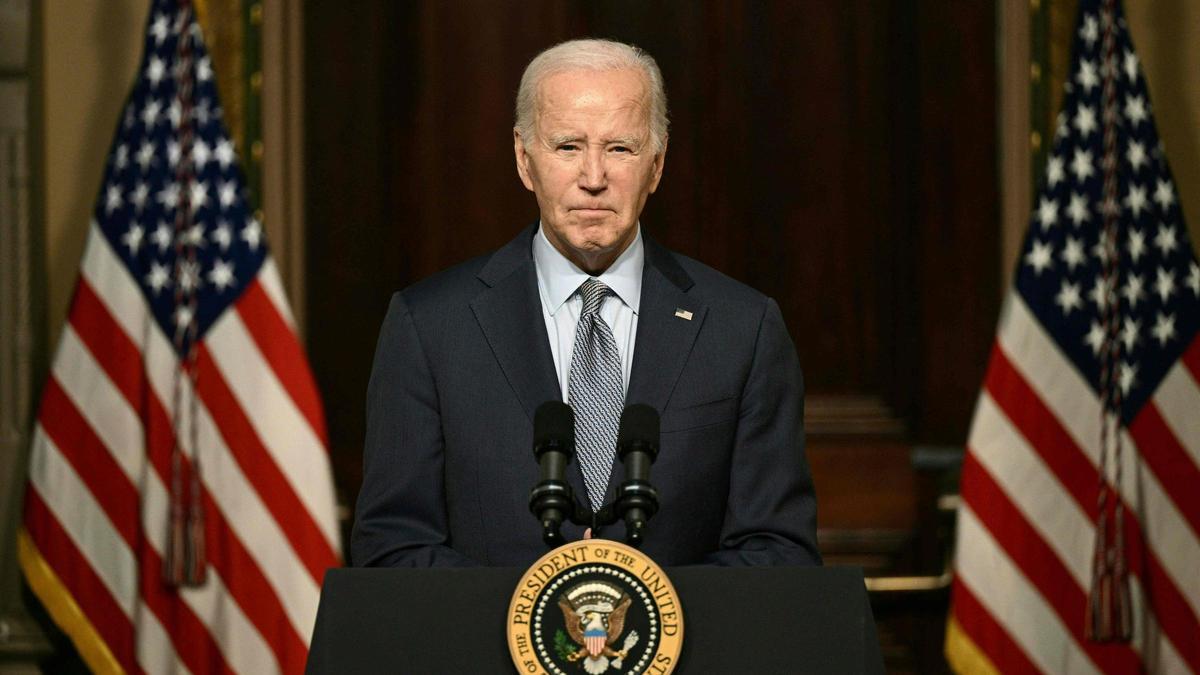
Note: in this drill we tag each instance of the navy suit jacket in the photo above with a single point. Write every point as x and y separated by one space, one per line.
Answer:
463 361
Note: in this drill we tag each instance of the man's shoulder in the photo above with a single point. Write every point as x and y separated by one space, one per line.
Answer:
457 284
719 290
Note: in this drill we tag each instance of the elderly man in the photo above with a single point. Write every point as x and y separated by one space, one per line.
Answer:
584 307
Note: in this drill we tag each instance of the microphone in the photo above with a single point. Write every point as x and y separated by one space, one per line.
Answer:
553 444
637 446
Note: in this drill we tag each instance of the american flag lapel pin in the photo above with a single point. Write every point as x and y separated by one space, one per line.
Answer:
683 314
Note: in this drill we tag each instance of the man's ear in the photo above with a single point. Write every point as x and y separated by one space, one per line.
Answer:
522 157
659 160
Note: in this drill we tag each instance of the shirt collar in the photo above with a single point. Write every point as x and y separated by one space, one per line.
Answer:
559 278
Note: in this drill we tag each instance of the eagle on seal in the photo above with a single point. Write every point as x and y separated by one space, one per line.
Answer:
597 630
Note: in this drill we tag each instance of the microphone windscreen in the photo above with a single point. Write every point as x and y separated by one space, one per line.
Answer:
554 422
639 423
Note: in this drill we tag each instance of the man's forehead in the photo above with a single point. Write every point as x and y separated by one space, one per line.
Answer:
584 87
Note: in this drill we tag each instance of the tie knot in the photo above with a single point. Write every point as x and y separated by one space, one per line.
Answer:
593 292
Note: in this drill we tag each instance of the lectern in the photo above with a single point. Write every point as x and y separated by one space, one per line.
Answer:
756 620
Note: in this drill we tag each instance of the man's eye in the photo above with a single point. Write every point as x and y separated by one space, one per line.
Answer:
568 147
621 148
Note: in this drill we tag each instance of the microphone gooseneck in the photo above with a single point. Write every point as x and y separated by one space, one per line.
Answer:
637 447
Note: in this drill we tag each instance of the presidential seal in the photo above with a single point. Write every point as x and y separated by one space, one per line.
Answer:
592 607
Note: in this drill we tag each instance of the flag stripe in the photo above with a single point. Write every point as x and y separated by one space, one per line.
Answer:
1021 609
191 638
1039 563
259 536
1065 401
282 430
1075 472
1168 460
989 635
78 444
249 586
80 579
279 346
1062 525
261 470
1178 400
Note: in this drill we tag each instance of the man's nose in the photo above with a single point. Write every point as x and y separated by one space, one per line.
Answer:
593 176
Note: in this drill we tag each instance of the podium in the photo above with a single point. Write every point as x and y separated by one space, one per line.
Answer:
736 620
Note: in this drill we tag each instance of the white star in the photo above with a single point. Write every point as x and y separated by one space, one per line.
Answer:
1087 77
201 113
1060 126
1193 280
1085 120
133 238
1054 170
189 276
1164 328
1072 253
162 237
1135 109
183 316
169 196
1100 249
160 28
1047 213
1077 209
221 274
252 233
204 69
173 153
1130 333
1165 239
1137 244
145 156
139 195
222 235
158 278
1136 154
1131 65
175 113
150 114
200 154
122 159
224 152
198 195
1135 290
194 236
1127 376
113 199
1165 284
1081 165
1095 338
1164 194
155 71
1090 30
227 194
1136 199
1068 297
1099 293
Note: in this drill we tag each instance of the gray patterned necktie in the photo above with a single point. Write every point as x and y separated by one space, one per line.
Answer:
595 392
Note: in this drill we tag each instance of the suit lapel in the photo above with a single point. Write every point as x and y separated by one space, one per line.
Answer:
664 339
509 312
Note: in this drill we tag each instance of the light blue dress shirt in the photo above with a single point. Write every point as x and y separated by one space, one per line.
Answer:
558 281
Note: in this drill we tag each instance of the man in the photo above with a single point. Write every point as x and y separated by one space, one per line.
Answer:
584 308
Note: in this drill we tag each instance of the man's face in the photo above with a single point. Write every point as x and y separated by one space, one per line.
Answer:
590 163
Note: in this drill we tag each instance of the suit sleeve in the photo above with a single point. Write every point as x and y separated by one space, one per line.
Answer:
400 520
771 516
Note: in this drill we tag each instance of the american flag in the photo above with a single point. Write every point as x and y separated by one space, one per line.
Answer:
179 362
1092 390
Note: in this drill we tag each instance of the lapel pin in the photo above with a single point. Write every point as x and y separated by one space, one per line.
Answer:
683 314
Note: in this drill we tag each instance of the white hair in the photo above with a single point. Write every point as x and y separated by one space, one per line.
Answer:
595 55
